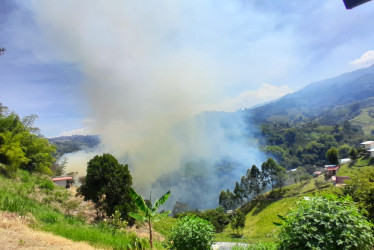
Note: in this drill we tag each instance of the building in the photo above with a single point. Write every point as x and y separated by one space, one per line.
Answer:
345 161
369 147
331 170
63 181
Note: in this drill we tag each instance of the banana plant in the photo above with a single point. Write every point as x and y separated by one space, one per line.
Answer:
149 214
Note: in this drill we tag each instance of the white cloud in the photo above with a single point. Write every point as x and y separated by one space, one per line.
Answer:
78 131
365 60
247 99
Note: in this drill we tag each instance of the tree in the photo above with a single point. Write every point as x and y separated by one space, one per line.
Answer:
150 214
273 174
238 222
239 194
325 223
255 180
343 150
107 184
227 199
191 232
333 156
352 153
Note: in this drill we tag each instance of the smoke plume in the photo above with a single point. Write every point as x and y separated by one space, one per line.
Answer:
148 70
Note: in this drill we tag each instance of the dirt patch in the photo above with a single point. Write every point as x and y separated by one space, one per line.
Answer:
142 231
15 234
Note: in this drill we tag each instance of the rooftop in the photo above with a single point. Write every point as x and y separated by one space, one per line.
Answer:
367 142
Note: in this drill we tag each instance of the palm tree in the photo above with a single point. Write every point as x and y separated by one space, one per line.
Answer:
149 214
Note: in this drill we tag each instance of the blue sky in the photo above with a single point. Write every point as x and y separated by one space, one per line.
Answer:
90 64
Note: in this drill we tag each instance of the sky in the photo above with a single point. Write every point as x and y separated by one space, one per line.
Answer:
221 55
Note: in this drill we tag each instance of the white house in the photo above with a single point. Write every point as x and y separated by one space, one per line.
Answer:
369 146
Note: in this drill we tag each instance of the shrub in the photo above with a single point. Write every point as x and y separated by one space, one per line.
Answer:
47 184
192 232
326 222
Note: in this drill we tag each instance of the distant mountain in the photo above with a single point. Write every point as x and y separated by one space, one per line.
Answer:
333 100
69 144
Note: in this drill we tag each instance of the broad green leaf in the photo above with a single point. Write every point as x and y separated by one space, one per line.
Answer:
138 217
161 201
139 202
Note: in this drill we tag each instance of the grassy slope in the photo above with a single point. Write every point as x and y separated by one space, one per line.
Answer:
364 120
264 210
23 196
359 165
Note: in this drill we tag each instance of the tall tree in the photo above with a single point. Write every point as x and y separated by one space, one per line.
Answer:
272 174
108 184
255 180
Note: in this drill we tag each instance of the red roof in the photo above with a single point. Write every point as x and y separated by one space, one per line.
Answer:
332 168
62 178
317 172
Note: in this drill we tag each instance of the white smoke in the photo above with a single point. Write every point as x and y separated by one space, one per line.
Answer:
146 72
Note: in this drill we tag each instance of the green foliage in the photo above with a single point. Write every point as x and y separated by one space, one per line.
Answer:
108 185
326 223
361 188
333 156
149 213
46 184
352 153
238 223
343 150
14 204
116 223
22 147
192 232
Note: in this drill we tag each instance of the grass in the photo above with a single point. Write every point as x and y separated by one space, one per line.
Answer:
360 164
364 120
259 225
23 196
164 225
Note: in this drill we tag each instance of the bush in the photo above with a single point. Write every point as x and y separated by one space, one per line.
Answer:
47 184
326 223
192 232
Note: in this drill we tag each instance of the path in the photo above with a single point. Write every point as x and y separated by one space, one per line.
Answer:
227 245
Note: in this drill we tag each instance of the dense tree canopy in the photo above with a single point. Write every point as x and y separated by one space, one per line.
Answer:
21 145
108 184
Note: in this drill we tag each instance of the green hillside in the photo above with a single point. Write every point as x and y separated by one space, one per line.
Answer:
264 210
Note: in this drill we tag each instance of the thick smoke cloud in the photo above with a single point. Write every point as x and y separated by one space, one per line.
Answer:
146 76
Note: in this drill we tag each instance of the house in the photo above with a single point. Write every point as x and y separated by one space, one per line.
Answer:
331 170
369 146
63 181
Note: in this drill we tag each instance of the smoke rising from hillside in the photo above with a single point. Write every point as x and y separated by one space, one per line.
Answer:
146 73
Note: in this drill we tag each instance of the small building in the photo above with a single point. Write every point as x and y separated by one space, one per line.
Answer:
368 144
63 181
345 160
369 147
317 173
340 179
331 170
